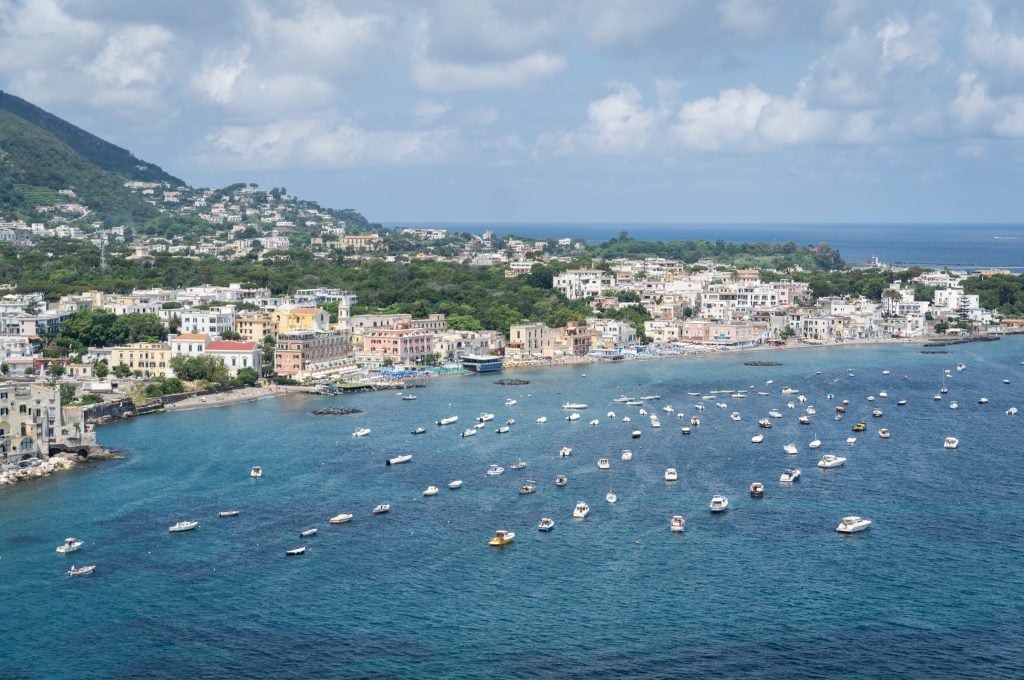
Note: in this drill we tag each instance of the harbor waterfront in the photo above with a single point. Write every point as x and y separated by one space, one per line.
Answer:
767 589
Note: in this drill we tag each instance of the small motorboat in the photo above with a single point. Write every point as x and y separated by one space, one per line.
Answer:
518 465
877 413
765 423
951 443
635 434
342 518
494 470
627 454
545 524
685 430
469 432
565 451
510 422
610 414
542 420
774 413
561 480
603 464
307 533
883 433
831 461
901 402
983 400
81 571
361 432
790 448
455 484
671 475
408 397
735 416
718 504
528 488
572 417
611 497
382 508
186 525
883 394
228 513
961 366
627 419
757 438
595 422
501 537
420 430
581 510
447 421
1012 411
695 421
256 472
953 404
677 524
853 524
860 427
851 440
510 402
295 551
789 475
70 545
871 397
398 460
574 405
804 420
430 491
485 417
815 443
756 490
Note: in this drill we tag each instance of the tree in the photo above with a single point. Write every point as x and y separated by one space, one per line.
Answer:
4 368
122 370
101 369
230 335
247 376
67 394
55 370
30 371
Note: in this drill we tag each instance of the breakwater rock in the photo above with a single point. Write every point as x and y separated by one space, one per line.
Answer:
961 341
762 363
332 411
43 468
511 381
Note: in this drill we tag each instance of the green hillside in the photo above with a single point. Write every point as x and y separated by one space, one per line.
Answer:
103 154
35 164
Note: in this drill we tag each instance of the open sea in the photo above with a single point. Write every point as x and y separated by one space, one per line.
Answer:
936 246
934 589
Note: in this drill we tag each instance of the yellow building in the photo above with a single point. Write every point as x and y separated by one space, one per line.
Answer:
254 326
152 358
300 320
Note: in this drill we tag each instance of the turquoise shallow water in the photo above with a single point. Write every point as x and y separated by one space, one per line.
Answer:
768 589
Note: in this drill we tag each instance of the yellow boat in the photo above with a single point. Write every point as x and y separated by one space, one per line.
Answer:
501 537
859 427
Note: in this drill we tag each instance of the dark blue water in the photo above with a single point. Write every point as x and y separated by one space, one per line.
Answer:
957 246
768 589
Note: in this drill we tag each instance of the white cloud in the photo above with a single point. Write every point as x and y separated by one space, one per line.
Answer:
628 23
750 17
728 120
132 55
452 76
220 72
317 143
617 124
428 110
996 48
977 111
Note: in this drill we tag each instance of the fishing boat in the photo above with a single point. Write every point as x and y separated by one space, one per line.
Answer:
501 537
756 490
228 513
581 510
186 525
677 524
256 472
518 465
81 571
382 508
545 524
295 551
70 545
528 488
307 533
718 504
342 518
398 460
494 470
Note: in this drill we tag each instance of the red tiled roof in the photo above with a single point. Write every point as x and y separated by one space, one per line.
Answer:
230 346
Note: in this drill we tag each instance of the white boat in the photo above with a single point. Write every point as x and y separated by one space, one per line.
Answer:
408 397
518 465
671 475
851 440
430 490
961 366
804 420
485 417
528 488
937 397
307 533
885 372
685 430
735 416
757 438
953 404
603 464
186 525
831 461
594 422
1006 381
668 408
381 508
228 513
622 399
545 524
479 426
642 412
883 394
448 421
775 413
1012 411
419 430
627 419
542 420
573 416
651 397
877 413
695 421
789 475
70 545
361 432
871 397
581 510
342 518
815 443
718 504
510 402
81 571
635 434
561 480
655 422
765 423
611 497
627 454
565 451
901 402
951 443
574 405
398 460
756 490
471 432
883 433
455 484
256 472
790 448
677 524
495 470
503 429
610 414
983 400
853 524
295 551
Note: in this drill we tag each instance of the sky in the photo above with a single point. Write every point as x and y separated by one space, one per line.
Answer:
553 111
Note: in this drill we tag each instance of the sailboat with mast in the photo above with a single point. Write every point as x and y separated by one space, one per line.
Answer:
610 496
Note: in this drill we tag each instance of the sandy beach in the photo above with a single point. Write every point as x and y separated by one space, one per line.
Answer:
227 398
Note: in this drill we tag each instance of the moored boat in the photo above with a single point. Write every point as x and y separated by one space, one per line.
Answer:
501 537
677 524
627 454
186 525
574 405
295 551
398 460
853 524
561 480
718 503
789 475
361 432
671 475
884 433
448 421
81 571
494 470
70 545
635 434
790 449
342 518
545 524
951 443
419 430
470 432
757 438
756 490
228 513
381 508
603 464
256 472
430 491
581 510
455 484
830 461
565 451
529 487
307 533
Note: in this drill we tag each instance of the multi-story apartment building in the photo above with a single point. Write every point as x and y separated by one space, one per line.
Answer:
300 355
401 345
153 359
30 419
